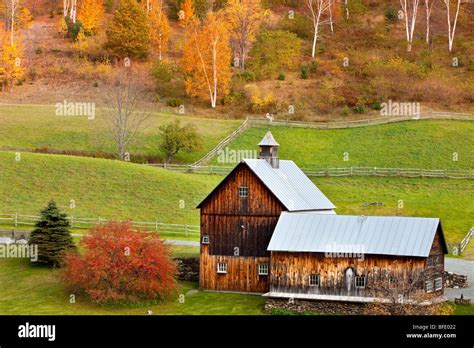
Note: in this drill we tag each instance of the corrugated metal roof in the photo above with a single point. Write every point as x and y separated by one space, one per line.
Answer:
381 235
290 185
268 140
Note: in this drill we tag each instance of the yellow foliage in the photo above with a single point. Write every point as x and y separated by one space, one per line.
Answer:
259 99
206 58
186 13
90 14
160 31
11 63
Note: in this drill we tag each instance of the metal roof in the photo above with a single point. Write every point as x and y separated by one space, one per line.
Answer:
382 235
290 185
268 140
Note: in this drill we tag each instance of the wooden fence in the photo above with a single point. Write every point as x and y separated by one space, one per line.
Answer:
364 122
465 241
335 172
221 144
86 223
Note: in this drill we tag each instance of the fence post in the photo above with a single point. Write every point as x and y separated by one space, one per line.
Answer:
186 230
16 219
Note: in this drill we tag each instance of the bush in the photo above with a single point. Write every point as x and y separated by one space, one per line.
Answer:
300 25
391 14
247 76
304 73
273 52
376 105
281 76
359 108
162 72
174 102
345 111
119 265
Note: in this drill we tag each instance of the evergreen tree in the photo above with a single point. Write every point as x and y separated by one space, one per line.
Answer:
128 34
52 236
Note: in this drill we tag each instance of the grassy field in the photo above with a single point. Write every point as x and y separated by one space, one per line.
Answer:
38 291
422 144
113 189
35 127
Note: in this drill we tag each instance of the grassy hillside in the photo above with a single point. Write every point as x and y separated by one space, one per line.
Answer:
38 127
105 188
423 144
113 189
35 291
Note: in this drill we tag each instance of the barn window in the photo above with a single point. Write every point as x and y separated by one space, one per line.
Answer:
429 261
429 286
314 280
221 267
437 260
360 281
263 269
243 192
438 283
205 239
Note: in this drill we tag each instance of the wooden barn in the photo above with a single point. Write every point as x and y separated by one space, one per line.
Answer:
266 228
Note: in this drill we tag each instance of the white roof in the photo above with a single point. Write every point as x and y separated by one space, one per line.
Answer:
380 235
290 185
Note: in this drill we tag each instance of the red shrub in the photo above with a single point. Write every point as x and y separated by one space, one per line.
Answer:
118 265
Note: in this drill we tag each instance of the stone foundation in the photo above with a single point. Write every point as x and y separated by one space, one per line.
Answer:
322 307
453 280
188 268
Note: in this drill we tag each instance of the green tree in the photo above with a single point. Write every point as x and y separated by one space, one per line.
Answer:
273 52
128 34
176 138
52 236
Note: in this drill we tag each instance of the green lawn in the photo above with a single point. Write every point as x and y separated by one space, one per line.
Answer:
120 190
34 127
420 144
31 290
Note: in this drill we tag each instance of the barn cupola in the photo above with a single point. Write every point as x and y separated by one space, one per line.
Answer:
269 150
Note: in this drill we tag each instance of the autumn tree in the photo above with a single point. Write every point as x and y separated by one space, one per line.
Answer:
90 14
245 18
120 265
186 13
429 4
410 11
206 58
11 66
128 34
160 30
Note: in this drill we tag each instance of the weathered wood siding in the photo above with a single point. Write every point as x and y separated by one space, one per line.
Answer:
290 272
437 256
242 273
240 226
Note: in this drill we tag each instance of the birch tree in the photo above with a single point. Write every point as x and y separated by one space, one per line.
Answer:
317 8
429 4
206 58
346 7
245 17
11 14
410 11
160 30
451 27
125 112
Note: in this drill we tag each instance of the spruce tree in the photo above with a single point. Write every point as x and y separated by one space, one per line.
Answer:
128 34
52 236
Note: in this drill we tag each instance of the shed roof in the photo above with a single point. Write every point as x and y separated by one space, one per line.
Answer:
380 235
289 185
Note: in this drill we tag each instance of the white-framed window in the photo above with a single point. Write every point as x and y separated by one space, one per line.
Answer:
205 239
360 281
243 191
429 286
263 269
438 283
221 267
314 280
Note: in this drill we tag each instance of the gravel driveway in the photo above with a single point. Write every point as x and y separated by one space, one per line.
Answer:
464 267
